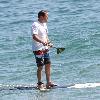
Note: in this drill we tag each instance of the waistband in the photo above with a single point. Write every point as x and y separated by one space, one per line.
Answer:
40 52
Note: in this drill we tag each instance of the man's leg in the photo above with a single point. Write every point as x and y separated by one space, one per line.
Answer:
39 76
47 63
40 63
39 73
48 73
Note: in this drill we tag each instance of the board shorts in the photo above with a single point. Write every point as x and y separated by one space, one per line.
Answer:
42 57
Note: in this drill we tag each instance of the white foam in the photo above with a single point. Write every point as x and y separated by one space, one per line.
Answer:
85 85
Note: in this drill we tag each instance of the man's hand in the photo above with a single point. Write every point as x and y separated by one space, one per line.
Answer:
36 37
44 43
50 44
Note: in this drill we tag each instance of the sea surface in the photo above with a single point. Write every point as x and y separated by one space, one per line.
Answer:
72 24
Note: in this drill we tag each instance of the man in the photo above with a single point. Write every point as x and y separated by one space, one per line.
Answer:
40 47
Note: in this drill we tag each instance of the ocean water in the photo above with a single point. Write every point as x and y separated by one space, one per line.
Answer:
73 24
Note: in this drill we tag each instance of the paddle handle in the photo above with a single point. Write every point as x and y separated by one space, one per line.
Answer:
51 45
54 47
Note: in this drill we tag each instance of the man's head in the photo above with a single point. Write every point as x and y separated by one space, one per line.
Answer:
43 16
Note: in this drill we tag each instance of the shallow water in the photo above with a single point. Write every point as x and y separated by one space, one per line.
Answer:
73 24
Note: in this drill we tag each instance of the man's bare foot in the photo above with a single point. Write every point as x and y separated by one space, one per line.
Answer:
50 85
40 85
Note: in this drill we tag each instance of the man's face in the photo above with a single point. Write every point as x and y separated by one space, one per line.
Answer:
44 19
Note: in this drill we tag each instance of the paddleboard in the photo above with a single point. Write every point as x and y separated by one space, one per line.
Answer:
32 87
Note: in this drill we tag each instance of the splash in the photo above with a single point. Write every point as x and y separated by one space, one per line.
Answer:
85 85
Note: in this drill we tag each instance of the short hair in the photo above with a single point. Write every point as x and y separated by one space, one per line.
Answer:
42 13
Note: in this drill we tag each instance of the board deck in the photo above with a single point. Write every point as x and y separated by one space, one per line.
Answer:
31 87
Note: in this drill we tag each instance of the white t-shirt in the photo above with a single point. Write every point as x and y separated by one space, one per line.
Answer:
41 30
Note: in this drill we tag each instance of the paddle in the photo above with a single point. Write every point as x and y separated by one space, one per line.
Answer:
59 50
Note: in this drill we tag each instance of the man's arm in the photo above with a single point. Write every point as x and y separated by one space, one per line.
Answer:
36 37
49 42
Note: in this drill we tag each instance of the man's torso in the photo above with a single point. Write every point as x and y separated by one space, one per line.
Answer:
41 30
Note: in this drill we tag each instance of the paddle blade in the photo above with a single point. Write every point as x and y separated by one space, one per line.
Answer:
59 50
